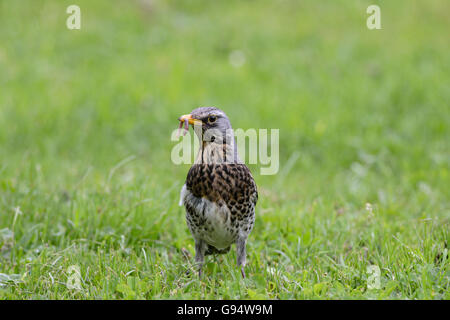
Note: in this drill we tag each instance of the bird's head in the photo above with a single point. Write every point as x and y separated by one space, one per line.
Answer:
212 121
215 133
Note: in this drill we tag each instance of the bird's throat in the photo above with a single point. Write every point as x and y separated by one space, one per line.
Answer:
217 153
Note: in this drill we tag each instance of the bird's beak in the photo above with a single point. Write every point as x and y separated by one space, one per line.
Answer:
188 118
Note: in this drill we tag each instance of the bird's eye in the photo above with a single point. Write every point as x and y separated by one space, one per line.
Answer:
212 119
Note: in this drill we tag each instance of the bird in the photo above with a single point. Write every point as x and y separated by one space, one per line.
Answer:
219 194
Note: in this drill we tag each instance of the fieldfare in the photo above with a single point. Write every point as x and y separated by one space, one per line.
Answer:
219 194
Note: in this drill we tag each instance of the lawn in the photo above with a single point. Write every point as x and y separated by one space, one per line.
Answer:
88 188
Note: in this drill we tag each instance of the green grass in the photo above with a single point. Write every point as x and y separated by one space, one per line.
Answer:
85 123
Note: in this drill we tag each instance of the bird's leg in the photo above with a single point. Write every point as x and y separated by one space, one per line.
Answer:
241 254
200 249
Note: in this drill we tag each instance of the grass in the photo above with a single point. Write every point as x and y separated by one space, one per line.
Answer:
85 173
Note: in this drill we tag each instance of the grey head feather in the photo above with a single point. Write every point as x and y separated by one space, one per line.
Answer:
221 124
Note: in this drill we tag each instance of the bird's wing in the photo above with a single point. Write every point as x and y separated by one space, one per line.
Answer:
182 195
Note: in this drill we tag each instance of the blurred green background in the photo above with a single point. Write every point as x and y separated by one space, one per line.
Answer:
85 123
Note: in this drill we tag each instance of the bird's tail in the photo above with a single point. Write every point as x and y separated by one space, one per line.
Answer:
213 250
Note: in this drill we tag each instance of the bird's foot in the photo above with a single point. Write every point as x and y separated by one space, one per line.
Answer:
243 272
